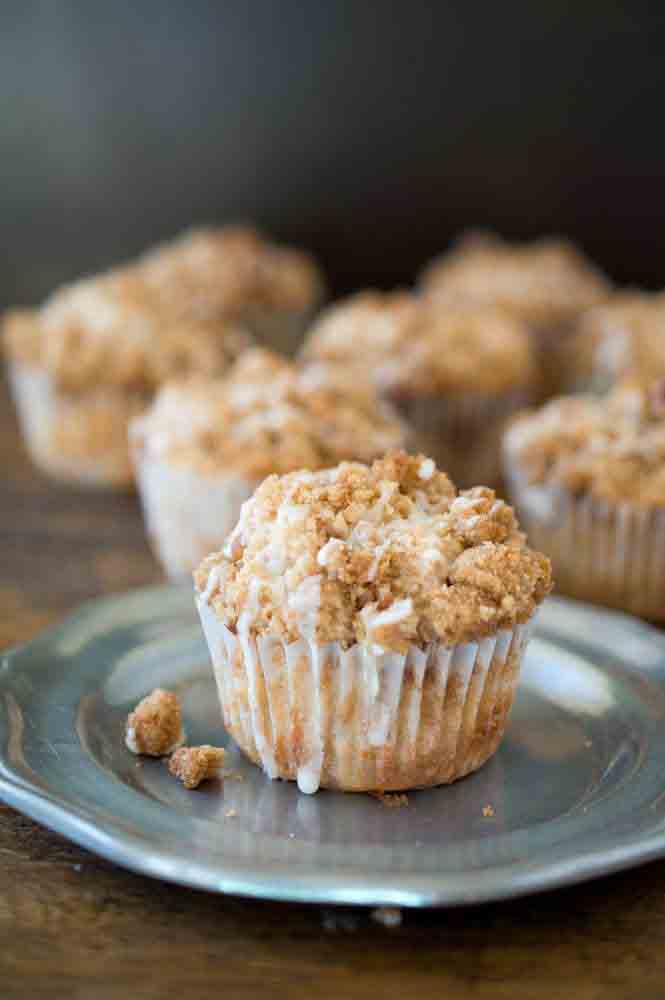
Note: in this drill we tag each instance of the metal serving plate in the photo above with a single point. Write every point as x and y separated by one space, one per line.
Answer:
577 789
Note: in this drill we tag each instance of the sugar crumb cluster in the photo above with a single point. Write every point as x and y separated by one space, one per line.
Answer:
154 729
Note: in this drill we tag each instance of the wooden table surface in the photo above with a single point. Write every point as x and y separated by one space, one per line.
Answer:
75 926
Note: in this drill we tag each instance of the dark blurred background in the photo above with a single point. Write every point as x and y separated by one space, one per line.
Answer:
369 132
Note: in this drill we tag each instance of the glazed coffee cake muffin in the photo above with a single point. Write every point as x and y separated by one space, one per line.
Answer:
455 372
546 284
587 476
93 355
624 337
366 625
206 444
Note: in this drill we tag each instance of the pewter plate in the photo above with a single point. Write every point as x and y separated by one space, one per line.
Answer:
576 790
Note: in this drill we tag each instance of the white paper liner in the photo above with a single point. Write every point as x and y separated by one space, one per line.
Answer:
187 515
46 415
363 721
463 434
602 552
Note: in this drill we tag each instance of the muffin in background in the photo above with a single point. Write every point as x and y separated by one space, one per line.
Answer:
93 355
366 625
273 290
587 477
456 372
206 444
623 337
546 284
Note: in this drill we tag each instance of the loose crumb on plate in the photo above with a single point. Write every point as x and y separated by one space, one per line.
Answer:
155 726
192 765
488 811
230 814
392 800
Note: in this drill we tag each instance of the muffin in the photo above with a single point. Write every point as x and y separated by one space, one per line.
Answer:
93 355
587 476
205 444
623 337
272 290
366 625
455 372
546 284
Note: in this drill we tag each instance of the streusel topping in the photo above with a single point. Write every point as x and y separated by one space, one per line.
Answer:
155 726
611 448
412 345
625 336
177 310
269 416
386 555
193 765
239 266
545 283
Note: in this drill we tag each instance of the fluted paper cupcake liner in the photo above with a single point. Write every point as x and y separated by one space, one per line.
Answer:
463 434
602 552
187 515
79 439
361 720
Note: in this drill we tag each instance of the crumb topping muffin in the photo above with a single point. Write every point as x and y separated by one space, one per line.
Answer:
388 555
116 330
180 308
546 283
623 336
411 345
610 448
268 415
232 267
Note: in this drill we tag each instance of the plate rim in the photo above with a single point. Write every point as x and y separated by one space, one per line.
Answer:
343 885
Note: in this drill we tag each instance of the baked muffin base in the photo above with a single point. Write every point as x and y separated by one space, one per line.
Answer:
604 553
359 720
187 515
79 439
463 434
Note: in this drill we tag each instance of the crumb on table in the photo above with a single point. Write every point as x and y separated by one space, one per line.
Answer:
488 811
155 726
192 765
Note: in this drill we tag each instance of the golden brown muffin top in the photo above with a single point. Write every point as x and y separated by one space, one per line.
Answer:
624 336
177 310
387 555
266 416
409 345
546 283
611 448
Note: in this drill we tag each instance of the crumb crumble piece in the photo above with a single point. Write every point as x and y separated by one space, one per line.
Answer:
391 800
488 811
230 814
192 765
154 727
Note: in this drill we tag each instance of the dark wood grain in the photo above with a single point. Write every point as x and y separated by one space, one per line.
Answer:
72 925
